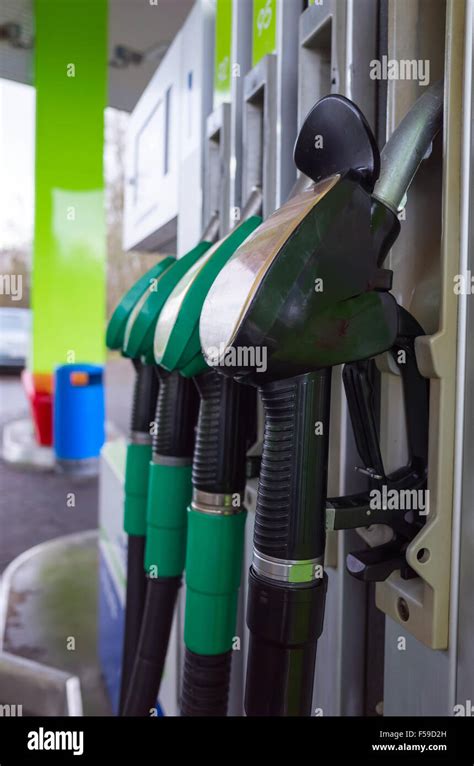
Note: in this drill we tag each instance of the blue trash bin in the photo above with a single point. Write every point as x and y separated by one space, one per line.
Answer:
78 416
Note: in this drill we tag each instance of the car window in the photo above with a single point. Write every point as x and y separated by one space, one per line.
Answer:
14 321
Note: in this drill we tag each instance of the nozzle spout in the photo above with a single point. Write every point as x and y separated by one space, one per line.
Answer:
406 148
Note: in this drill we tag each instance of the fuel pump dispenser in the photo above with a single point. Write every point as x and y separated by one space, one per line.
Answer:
310 293
314 299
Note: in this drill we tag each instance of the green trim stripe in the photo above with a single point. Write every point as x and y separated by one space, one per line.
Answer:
223 52
213 570
264 29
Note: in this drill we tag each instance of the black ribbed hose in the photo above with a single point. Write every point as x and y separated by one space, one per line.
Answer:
226 412
145 396
226 418
176 415
285 602
143 409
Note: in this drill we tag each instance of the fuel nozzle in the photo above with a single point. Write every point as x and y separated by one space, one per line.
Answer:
137 462
216 514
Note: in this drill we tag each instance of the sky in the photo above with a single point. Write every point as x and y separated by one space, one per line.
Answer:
17 147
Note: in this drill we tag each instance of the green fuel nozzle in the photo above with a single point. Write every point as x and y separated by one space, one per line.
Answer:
137 461
216 514
166 490
130 330
165 331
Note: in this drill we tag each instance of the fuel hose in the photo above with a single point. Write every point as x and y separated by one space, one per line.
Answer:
169 494
136 486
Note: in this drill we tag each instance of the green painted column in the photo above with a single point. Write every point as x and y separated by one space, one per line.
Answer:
69 258
223 52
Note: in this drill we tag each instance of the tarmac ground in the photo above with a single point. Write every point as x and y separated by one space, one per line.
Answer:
33 503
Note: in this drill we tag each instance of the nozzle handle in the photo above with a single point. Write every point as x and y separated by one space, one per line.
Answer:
216 523
291 498
287 584
176 415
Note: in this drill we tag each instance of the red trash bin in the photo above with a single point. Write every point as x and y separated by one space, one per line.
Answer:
39 390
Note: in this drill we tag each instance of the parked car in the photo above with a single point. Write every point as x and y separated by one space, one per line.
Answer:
15 331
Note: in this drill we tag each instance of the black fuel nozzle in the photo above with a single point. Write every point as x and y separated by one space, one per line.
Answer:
307 289
313 304
319 256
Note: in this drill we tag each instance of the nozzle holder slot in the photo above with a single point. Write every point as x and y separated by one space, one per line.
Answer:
422 605
216 175
259 132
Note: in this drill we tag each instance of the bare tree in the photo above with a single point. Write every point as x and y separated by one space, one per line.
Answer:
16 260
123 269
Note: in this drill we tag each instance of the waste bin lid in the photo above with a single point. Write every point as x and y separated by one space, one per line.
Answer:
77 376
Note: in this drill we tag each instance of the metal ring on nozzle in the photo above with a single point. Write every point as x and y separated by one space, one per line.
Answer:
406 148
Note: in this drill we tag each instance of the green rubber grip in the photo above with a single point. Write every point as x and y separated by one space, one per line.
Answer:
213 569
183 343
118 321
137 468
169 494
